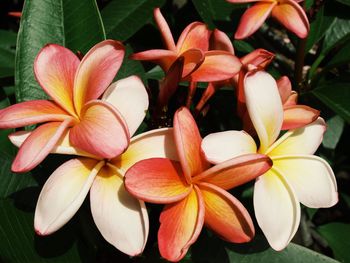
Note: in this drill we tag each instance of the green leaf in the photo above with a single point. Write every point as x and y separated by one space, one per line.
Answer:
338 238
7 53
6 146
130 67
338 32
123 18
336 96
345 2
8 39
341 57
18 242
242 46
73 23
335 127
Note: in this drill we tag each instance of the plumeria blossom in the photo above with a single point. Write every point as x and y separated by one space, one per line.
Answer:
74 87
288 12
194 193
121 219
296 175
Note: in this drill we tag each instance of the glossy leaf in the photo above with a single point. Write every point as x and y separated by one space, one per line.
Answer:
7 53
6 146
335 127
339 31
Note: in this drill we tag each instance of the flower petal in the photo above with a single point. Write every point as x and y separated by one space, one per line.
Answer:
244 1
311 178
259 58
225 215
303 140
102 131
163 58
195 36
157 180
29 113
164 30
212 70
38 145
55 67
297 116
293 17
155 143
63 194
220 41
180 226
284 88
264 106
222 146
193 58
236 171
126 92
188 144
121 219
253 18
277 209
96 71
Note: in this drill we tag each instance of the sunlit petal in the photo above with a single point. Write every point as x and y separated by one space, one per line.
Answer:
264 106
126 92
157 180
259 58
195 35
163 58
55 67
102 131
96 71
311 178
63 194
222 146
297 116
180 226
220 41
193 58
121 219
284 87
164 30
277 209
225 215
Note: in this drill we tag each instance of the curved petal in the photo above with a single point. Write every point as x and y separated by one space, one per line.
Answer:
54 68
157 180
121 219
102 131
63 194
292 99
96 71
264 106
297 116
126 92
284 88
164 30
29 113
220 41
195 35
212 68
38 145
259 58
188 144
193 58
155 143
277 209
293 17
180 226
245 1
311 178
236 171
225 215
303 140
162 57
253 18
222 146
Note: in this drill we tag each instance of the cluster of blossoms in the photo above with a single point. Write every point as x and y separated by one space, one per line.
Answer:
95 120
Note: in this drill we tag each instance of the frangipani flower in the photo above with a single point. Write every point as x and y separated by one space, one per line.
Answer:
296 175
121 219
288 12
74 87
193 192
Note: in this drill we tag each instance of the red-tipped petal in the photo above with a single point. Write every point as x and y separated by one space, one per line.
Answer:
193 58
220 41
188 143
293 17
164 30
162 57
284 87
225 215
102 131
195 35
55 68
297 116
39 144
253 18
181 224
236 171
259 57
96 71
31 112
157 180
245 1
212 68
